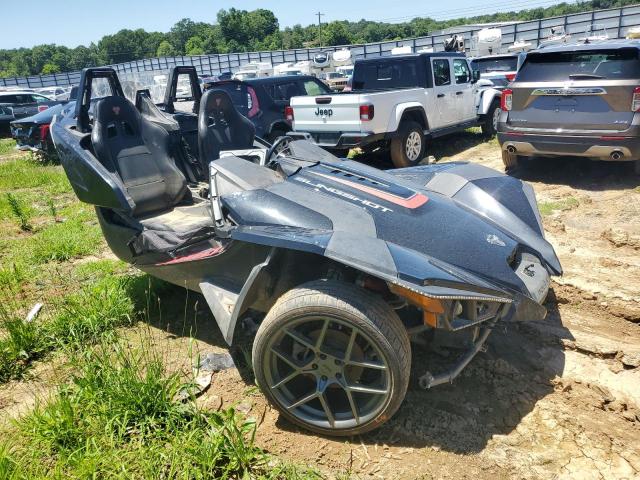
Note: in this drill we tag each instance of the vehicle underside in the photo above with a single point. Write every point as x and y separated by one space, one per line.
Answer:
343 263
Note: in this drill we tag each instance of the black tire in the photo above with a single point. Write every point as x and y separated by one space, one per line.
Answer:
408 133
636 167
348 309
510 161
490 124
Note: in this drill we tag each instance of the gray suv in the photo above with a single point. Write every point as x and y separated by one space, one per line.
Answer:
574 100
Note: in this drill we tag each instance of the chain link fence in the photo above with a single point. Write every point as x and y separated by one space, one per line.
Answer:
616 22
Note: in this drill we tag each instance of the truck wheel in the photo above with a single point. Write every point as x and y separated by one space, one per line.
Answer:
636 167
490 124
407 148
510 160
333 358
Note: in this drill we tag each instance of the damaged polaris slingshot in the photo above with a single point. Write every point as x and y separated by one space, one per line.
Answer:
341 261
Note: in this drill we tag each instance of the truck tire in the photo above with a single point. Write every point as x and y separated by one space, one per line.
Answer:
510 161
636 167
490 124
333 358
408 146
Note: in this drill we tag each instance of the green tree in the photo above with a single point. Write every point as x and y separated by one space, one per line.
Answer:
165 49
50 68
335 33
194 46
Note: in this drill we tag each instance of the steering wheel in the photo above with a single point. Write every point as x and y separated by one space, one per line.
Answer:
279 146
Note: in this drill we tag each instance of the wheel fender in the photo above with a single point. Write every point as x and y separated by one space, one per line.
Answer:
487 97
399 110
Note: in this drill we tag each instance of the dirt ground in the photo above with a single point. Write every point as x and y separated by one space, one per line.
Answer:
553 399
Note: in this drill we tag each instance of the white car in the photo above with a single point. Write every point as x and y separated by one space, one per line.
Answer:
399 102
55 93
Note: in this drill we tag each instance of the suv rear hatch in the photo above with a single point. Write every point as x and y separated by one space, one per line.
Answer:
582 90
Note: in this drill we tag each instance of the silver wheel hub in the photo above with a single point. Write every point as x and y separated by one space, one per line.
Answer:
413 146
327 373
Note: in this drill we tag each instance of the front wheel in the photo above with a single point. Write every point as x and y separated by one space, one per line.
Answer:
407 148
491 119
333 358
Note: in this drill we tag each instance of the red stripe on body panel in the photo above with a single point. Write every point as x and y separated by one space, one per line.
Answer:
414 201
209 252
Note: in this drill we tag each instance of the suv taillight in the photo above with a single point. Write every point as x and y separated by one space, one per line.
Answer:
635 103
42 108
366 112
506 101
510 76
288 113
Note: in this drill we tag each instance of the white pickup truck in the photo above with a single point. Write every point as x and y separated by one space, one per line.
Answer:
399 102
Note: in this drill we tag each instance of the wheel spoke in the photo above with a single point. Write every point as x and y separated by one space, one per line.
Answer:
322 334
327 410
286 379
372 365
352 340
285 358
354 408
363 389
298 337
304 400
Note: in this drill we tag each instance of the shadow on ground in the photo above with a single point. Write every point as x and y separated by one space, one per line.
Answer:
491 396
579 173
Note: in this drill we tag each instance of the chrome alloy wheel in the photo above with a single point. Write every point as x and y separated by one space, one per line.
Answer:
327 372
413 146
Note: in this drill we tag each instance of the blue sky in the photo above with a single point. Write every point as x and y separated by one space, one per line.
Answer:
73 23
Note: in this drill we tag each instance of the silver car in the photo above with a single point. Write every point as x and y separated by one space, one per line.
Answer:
574 100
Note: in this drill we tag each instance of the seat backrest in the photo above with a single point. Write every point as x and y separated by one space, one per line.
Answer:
137 151
221 126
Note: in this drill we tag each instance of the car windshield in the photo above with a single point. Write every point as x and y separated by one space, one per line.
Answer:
499 64
619 64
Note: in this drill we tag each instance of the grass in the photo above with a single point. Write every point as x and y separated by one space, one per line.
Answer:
119 418
564 204
6 146
114 410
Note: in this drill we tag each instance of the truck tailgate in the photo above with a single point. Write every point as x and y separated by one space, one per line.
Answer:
327 113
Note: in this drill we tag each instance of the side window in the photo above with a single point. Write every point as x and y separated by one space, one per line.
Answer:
283 92
313 88
441 72
8 99
461 70
39 99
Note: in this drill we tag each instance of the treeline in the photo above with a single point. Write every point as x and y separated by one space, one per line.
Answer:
244 31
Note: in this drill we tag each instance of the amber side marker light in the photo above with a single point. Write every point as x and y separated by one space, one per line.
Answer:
431 307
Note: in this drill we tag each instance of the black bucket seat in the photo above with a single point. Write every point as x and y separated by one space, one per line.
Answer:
221 126
137 151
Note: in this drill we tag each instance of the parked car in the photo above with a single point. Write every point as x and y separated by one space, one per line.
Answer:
500 69
580 100
335 80
6 116
265 100
399 102
32 133
338 262
25 103
56 93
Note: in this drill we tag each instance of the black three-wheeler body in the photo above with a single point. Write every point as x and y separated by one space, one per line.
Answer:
340 261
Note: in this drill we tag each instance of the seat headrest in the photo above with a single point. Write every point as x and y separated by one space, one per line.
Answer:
216 101
116 109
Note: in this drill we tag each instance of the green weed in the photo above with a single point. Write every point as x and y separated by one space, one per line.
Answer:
85 316
547 208
20 344
64 241
20 211
26 172
7 145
